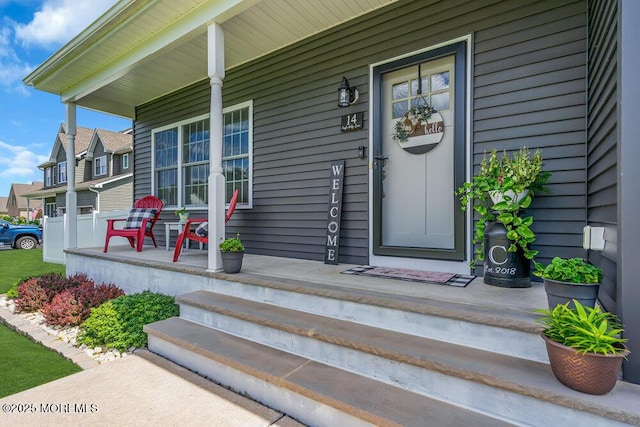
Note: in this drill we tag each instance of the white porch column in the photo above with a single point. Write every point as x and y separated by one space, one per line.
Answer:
71 218
215 56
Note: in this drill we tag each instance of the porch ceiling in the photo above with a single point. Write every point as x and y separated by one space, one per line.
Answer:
140 50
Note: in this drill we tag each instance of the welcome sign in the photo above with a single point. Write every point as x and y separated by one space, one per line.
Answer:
336 180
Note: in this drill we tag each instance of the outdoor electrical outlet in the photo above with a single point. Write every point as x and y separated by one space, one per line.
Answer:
593 238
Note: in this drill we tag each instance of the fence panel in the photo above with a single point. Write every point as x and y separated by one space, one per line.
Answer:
92 229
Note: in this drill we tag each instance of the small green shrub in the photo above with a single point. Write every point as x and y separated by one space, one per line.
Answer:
118 323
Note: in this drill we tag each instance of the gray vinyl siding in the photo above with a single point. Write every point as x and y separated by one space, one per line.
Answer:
529 90
187 103
86 198
99 152
117 196
528 85
117 164
83 171
602 140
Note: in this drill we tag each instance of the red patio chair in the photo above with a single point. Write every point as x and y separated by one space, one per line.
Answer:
188 234
142 217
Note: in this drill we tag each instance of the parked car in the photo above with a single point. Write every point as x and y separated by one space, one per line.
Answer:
20 236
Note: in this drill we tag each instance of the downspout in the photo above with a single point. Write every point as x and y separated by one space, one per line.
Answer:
97 196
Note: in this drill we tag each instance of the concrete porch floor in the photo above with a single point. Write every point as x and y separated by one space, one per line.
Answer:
476 293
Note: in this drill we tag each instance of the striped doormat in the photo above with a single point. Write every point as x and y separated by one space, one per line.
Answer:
450 279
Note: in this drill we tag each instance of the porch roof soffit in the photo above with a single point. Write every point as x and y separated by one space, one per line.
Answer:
140 50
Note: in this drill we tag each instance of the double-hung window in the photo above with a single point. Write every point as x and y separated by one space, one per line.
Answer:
181 158
125 161
62 172
100 166
181 162
237 151
47 175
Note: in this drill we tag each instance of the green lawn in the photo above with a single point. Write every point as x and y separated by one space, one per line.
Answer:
18 264
23 363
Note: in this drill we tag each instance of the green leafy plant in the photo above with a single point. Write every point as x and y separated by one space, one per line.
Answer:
573 270
118 323
231 244
515 180
416 116
181 211
586 329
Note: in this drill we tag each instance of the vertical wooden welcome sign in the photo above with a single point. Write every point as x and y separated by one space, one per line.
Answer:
335 212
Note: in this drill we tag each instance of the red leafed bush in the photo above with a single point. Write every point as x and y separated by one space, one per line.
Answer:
64 310
31 295
73 306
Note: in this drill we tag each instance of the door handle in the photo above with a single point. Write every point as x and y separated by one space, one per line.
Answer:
382 158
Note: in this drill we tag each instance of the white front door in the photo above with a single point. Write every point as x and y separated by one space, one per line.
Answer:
416 212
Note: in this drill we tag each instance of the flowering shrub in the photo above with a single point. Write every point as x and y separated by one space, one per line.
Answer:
73 306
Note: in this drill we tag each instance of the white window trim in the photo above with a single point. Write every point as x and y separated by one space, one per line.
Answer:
125 161
179 166
179 125
47 177
66 177
103 163
249 104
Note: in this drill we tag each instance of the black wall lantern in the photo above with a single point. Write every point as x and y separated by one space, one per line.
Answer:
346 94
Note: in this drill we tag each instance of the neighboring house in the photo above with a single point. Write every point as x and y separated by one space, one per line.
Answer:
18 204
103 174
3 206
556 75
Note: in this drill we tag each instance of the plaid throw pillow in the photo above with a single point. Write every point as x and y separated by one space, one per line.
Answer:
202 230
136 215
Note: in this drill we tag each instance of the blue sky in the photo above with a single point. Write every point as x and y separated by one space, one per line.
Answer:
30 32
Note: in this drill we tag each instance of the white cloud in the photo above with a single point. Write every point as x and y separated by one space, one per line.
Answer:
59 21
16 160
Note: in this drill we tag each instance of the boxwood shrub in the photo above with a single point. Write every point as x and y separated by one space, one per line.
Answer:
118 323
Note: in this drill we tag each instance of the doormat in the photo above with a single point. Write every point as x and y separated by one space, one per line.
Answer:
450 279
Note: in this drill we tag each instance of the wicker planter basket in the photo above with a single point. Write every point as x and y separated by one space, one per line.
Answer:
588 373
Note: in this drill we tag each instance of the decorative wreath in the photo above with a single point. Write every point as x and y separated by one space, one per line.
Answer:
411 121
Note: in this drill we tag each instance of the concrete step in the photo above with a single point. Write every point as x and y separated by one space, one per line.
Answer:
507 387
312 392
482 326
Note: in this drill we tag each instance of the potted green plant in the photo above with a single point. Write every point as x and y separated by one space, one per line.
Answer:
182 214
232 253
584 346
503 188
568 279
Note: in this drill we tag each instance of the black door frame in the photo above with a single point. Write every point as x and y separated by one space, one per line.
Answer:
458 49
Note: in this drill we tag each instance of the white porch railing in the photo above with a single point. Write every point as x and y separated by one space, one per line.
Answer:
92 229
